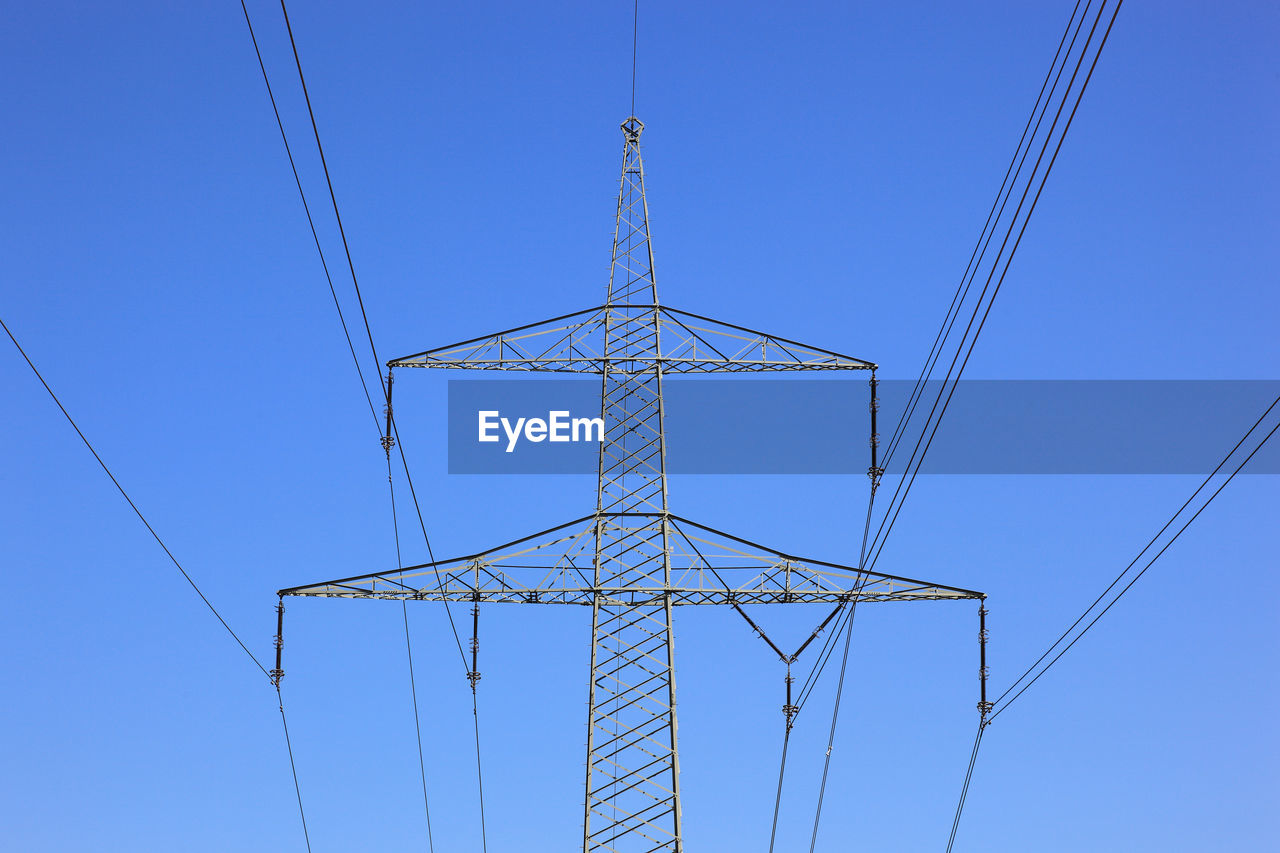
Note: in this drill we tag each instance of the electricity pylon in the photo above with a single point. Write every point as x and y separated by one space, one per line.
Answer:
632 560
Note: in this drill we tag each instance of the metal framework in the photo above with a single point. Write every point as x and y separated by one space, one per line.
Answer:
632 561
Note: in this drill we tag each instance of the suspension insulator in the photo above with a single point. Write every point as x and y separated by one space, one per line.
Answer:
278 673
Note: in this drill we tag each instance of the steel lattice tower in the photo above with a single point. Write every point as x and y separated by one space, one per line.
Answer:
632 560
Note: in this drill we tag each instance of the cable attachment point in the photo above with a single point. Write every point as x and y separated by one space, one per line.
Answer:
632 128
984 707
473 675
278 673
876 470
388 435
790 709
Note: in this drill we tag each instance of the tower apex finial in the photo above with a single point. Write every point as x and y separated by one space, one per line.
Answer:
632 128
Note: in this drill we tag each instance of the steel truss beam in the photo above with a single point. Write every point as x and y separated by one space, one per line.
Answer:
707 566
689 343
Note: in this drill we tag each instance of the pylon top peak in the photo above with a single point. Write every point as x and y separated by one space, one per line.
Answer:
632 127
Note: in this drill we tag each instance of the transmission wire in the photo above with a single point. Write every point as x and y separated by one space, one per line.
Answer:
385 392
364 385
823 655
982 725
1144 550
288 743
355 359
957 299
310 221
910 481
635 40
129 500
294 768
915 451
1150 562
475 713
777 800
408 647
365 317
831 736
984 722
964 789
324 163
844 664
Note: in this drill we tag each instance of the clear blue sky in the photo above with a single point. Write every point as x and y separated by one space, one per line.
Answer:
818 171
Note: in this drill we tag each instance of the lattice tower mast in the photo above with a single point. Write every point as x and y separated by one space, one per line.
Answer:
632 561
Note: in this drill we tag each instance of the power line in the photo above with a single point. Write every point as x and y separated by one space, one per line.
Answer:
831 737
1150 562
777 801
984 721
905 485
132 505
294 768
962 289
324 163
422 525
964 791
408 647
844 661
1144 550
284 137
355 281
368 399
475 713
792 711
385 385
635 40
917 457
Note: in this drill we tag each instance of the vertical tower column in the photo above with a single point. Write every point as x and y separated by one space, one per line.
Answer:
633 775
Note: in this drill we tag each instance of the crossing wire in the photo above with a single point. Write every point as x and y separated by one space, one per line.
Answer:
949 384
364 384
294 767
964 789
962 288
1143 571
972 270
172 558
355 281
399 443
831 737
284 137
133 506
815 672
844 661
982 723
408 647
384 385
1001 709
